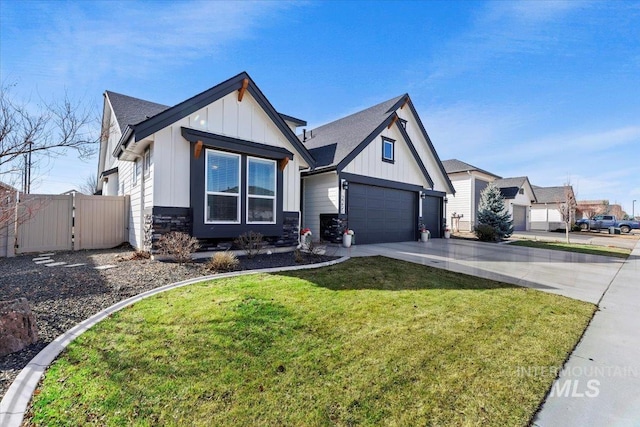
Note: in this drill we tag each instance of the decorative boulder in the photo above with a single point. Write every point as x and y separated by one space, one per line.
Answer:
17 326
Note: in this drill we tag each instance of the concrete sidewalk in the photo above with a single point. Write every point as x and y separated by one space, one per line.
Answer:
600 383
579 276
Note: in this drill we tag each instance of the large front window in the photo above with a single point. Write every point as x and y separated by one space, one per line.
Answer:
261 190
222 177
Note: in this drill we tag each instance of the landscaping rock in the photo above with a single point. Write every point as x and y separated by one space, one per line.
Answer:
17 326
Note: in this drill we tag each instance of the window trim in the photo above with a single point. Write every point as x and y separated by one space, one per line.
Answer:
147 162
273 198
207 193
137 166
392 142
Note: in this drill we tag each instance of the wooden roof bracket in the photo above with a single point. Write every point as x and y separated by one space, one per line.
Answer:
395 119
406 101
283 163
197 149
243 89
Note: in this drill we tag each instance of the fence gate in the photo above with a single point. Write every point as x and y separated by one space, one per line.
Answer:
100 221
44 223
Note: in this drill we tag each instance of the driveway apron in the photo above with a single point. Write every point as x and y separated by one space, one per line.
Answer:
579 276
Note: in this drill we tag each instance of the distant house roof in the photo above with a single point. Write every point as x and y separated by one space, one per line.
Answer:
509 187
333 142
130 110
549 194
455 165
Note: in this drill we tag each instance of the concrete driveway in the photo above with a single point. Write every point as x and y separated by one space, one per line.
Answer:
580 276
600 383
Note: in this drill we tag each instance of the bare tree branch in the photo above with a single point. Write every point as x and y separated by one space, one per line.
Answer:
49 129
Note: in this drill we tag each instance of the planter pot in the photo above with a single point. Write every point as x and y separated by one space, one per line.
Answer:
424 236
346 240
447 234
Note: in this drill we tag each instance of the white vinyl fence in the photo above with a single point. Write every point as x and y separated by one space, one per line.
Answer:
45 222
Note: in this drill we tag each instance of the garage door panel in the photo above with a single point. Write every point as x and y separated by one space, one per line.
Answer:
519 218
379 214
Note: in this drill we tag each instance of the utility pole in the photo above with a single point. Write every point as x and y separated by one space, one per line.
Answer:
26 177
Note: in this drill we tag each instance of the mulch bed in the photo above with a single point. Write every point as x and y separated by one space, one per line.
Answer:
62 297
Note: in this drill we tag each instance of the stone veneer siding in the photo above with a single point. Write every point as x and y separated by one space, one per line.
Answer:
162 220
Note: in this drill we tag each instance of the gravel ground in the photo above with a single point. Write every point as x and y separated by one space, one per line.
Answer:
62 297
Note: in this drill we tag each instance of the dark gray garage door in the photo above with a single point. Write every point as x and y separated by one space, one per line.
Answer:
519 218
380 215
432 215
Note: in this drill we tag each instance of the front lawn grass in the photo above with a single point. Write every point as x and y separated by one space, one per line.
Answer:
371 341
575 247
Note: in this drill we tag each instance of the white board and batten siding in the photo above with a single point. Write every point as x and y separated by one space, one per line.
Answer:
404 168
243 120
422 147
320 197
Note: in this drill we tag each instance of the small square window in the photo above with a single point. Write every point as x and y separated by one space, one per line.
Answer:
388 150
521 191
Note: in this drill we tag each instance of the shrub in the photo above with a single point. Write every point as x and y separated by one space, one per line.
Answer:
492 211
486 233
251 243
178 245
222 262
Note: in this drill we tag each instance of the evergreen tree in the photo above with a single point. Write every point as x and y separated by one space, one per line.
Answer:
492 212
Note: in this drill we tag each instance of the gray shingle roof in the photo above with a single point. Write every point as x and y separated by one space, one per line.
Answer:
509 187
131 111
455 165
332 142
549 194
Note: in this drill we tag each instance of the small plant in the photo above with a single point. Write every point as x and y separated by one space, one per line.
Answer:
486 233
178 245
298 256
222 262
305 232
349 232
251 243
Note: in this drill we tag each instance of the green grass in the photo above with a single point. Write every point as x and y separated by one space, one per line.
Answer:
371 341
575 247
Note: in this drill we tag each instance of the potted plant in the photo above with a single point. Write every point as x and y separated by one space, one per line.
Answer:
347 238
305 237
447 232
424 233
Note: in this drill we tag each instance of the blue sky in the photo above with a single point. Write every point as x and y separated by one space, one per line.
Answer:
546 89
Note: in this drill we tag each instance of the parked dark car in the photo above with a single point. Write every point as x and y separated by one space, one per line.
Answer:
599 222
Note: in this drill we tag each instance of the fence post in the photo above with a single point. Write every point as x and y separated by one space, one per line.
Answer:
11 232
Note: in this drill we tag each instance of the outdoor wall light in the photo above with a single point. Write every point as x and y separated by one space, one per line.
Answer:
423 195
345 185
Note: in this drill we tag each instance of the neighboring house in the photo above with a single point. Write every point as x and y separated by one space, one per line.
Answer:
519 196
376 172
468 182
216 165
590 208
546 212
